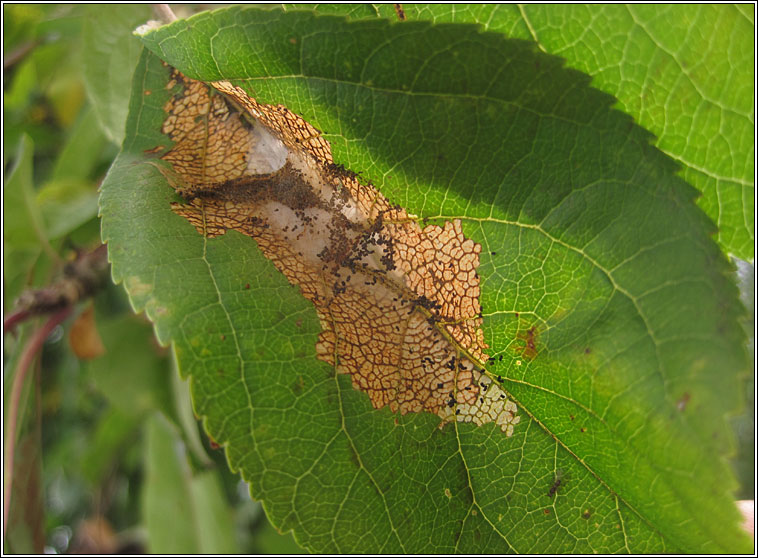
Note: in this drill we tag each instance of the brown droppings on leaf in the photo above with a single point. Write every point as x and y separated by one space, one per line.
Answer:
554 488
83 337
398 303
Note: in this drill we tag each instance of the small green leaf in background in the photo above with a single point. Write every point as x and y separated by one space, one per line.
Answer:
110 56
69 198
134 381
24 235
166 500
185 512
114 432
23 226
587 235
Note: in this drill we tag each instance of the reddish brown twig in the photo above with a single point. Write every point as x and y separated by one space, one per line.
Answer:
81 278
19 53
15 318
31 350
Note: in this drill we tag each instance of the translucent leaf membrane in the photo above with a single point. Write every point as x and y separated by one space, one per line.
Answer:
398 305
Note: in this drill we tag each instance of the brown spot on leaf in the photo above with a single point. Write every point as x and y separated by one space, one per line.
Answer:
400 12
681 405
398 303
297 387
527 343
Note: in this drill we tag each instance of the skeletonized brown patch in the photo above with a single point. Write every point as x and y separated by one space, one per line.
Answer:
398 304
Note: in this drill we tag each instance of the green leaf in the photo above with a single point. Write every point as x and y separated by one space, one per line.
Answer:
269 541
110 56
587 235
685 72
80 153
186 420
67 204
135 382
24 235
69 198
214 521
22 223
167 509
19 94
114 432
184 513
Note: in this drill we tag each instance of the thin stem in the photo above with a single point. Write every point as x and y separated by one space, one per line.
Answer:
19 53
164 13
14 319
27 357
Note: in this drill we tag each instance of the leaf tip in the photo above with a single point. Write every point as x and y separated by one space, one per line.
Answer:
146 28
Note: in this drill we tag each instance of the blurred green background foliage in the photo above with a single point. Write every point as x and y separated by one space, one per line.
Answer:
109 456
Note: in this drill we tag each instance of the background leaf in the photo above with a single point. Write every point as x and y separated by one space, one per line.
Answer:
184 510
24 235
587 235
110 56
89 449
